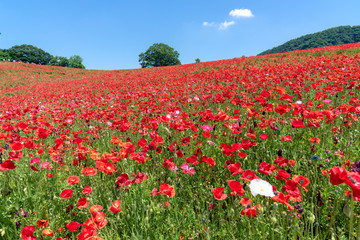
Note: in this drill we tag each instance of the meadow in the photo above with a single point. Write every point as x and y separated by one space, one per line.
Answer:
263 147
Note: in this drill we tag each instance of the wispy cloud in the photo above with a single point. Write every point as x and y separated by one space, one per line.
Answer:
236 13
245 13
225 25
207 24
220 26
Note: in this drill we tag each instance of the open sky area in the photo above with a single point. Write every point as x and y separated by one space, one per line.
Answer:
110 34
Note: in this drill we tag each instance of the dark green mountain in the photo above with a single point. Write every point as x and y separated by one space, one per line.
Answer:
332 36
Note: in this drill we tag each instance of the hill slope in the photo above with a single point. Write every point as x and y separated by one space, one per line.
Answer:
332 36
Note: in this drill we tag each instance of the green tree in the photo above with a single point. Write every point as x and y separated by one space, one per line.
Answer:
159 54
29 53
197 60
59 61
4 54
76 62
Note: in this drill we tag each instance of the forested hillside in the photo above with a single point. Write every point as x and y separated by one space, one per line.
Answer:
332 36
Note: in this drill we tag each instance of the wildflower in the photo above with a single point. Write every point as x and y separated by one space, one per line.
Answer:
236 187
27 233
115 206
67 193
89 171
186 169
73 180
261 187
82 203
72 226
327 101
297 124
219 193
87 190
7 165
42 223
206 128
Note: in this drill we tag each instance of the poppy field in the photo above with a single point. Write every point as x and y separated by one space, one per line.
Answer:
263 147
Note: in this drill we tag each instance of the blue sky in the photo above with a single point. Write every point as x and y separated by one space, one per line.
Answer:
110 34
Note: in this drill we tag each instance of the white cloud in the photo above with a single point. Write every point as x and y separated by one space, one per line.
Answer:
225 25
207 24
245 13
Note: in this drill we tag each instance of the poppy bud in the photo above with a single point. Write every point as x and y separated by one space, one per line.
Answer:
347 211
18 225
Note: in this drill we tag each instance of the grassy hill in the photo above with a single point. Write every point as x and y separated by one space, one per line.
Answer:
332 36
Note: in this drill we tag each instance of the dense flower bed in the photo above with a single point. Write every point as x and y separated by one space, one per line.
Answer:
266 147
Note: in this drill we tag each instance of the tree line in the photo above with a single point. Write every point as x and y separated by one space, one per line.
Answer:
32 54
332 36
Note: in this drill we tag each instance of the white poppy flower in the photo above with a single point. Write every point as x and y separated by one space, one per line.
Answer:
261 187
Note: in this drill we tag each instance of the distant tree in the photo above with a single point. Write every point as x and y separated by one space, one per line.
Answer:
4 54
76 62
197 60
159 54
29 53
59 61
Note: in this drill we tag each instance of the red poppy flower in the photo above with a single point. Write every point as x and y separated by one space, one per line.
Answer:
286 138
95 209
282 174
206 134
87 233
73 180
337 175
314 140
266 168
219 193
167 189
7 165
47 232
236 187
27 233
42 223
235 169
17 146
107 167
42 133
264 136
280 197
248 175
89 171
185 141
242 154
142 142
245 201
67 193
353 180
72 226
87 190
297 124
115 206
82 203
251 211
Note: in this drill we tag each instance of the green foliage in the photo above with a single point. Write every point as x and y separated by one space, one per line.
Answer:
4 54
76 62
159 54
197 60
333 36
59 61
29 53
